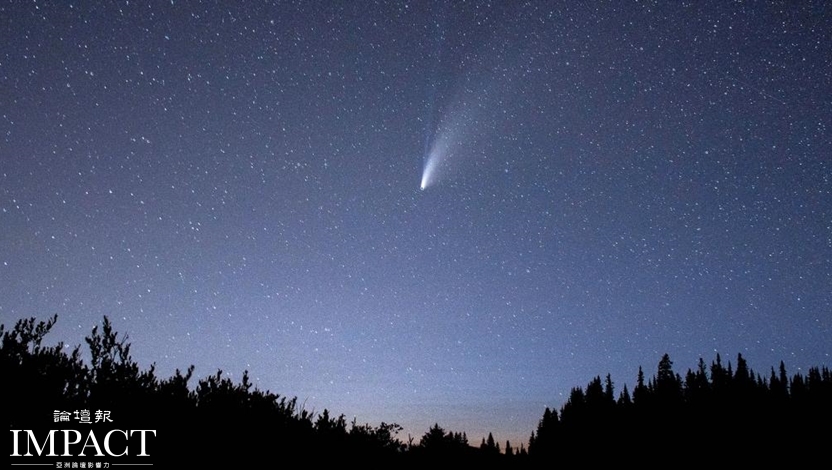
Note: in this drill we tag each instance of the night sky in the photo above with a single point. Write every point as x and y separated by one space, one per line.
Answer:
240 187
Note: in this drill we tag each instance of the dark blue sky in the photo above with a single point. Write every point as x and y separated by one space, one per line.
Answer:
238 187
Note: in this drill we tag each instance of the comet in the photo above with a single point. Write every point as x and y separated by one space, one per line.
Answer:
452 139
429 170
437 159
461 129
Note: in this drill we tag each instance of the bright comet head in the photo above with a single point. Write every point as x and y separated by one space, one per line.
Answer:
425 180
428 172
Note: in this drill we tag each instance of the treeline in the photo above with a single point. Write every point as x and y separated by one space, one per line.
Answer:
218 421
748 416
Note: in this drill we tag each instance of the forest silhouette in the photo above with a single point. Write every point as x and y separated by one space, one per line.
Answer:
667 419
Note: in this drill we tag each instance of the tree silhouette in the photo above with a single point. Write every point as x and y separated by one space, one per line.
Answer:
664 416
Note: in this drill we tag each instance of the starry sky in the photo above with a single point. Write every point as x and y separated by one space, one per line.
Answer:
239 187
